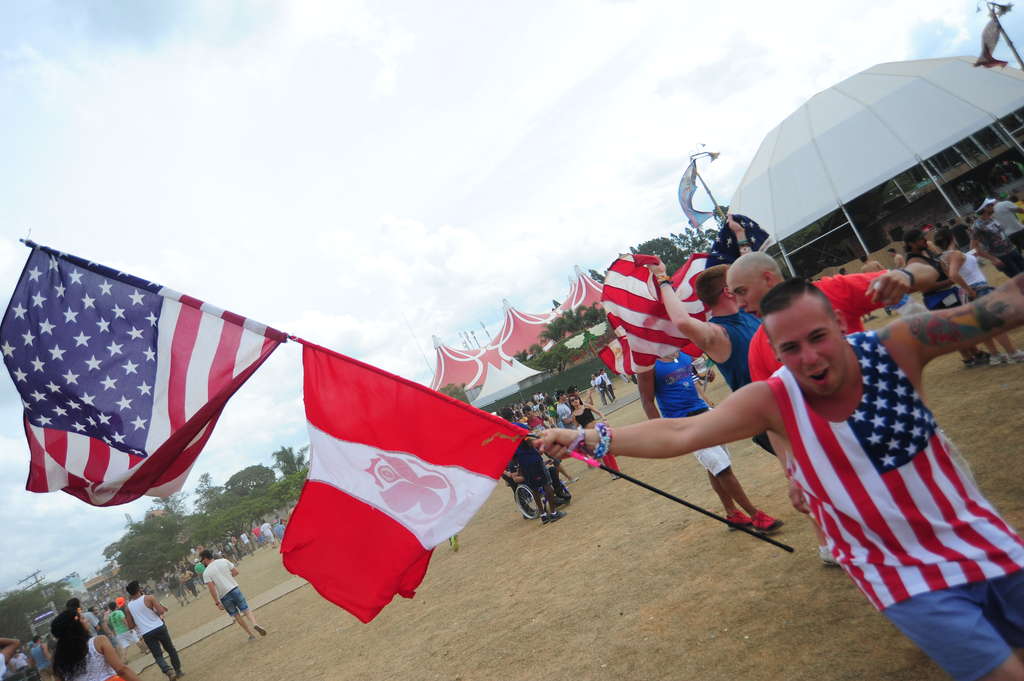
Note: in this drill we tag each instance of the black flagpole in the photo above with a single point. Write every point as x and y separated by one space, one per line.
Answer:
687 504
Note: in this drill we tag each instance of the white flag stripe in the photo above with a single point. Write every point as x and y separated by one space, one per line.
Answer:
638 344
56 476
640 319
197 381
644 289
160 424
249 348
345 466
175 485
77 455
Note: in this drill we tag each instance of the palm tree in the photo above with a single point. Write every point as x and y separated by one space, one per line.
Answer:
289 461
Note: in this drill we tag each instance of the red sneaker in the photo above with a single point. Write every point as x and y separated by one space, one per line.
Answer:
765 523
739 518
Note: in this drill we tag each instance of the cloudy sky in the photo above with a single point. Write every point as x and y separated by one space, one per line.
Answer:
367 174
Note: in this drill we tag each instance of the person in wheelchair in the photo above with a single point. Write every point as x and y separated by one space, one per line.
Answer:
529 470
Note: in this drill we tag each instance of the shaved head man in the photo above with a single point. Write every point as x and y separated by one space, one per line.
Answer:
853 296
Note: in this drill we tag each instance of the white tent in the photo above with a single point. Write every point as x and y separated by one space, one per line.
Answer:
503 380
867 129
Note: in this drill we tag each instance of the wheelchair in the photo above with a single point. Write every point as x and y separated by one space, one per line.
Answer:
526 500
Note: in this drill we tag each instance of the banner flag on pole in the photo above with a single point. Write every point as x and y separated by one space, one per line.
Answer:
122 380
989 41
395 469
687 187
644 332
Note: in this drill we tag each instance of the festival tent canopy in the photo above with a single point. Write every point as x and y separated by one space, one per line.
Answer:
865 130
503 380
583 292
519 332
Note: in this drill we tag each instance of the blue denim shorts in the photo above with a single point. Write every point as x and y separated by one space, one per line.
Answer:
234 602
968 630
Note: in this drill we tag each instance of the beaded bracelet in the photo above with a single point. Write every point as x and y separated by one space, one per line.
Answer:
604 442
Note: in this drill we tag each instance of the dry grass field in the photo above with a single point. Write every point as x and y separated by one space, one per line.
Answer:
627 586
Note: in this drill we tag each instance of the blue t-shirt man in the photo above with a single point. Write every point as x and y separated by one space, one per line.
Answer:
674 389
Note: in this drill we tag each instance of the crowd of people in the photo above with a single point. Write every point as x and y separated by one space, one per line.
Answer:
92 643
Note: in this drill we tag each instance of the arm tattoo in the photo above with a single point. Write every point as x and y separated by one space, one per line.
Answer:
961 324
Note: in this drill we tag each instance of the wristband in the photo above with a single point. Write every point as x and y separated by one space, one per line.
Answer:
907 272
742 242
604 441
664 281
577 441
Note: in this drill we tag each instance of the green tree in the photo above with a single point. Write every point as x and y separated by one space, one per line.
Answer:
666 249
553 360
249 480
694 240
18 607
456 391
596 276
151 547
206 494
555 330
288 461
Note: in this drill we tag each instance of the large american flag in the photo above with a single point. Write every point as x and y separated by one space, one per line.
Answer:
644 332
122 380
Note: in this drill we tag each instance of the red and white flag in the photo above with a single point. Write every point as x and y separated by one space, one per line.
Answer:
642 326
395 469
122 380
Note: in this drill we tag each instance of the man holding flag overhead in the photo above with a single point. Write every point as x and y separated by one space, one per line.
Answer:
122 380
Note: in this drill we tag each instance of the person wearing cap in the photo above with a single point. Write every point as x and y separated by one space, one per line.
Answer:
990 242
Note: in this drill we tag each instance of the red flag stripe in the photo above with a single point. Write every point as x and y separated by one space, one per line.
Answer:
185 332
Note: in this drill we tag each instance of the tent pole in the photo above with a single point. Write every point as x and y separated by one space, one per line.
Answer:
785 256
980 148
939 187
903 193
968 161
1013 140
849 221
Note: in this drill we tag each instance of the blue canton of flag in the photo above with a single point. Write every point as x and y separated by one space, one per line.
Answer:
81 346
725 250
891 423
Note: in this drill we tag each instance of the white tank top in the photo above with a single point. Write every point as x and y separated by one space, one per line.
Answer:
970 271
96 667
145 619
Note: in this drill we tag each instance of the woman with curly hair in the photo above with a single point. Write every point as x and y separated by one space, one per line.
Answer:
81 657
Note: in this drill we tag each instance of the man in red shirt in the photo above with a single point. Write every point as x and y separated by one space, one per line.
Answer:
851 295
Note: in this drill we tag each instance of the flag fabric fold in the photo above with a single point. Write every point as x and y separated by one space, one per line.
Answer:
725 250
687 188
121 380
395 469
989 41
644 332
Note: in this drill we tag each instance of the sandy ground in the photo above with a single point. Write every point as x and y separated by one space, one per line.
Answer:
627 586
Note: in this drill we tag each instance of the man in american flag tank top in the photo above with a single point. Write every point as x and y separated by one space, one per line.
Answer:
870 464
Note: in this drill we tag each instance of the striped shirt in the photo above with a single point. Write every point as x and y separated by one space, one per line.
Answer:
900 517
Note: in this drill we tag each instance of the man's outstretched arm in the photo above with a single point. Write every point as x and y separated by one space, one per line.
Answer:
745 413
916 340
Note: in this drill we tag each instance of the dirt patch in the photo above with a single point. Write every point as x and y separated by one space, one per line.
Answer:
628 586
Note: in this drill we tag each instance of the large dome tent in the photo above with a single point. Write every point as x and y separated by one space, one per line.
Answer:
895 132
